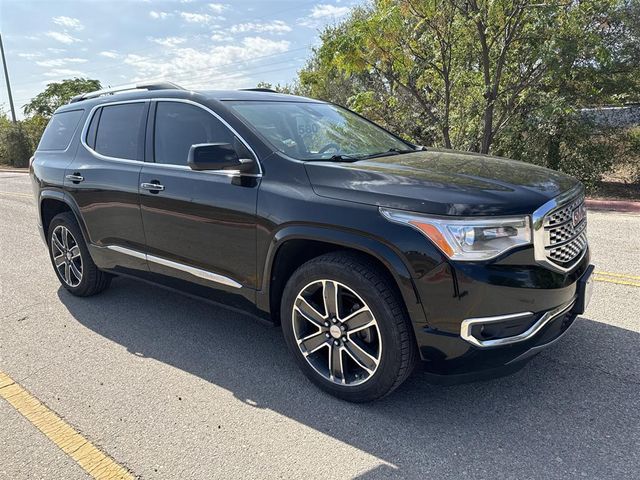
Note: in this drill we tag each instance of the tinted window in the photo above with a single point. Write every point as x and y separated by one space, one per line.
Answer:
60 130
93 127
179 125
119 131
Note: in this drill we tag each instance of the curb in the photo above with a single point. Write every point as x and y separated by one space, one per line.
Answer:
628 206
14 170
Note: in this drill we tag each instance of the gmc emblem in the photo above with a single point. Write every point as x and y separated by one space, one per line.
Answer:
579 214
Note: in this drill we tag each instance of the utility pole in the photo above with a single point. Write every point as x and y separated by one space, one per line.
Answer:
6 77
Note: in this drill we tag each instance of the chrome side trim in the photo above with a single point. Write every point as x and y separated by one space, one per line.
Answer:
466 326
127 251
196 272
537 225
228 173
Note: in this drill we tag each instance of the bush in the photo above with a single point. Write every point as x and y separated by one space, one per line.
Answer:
15 145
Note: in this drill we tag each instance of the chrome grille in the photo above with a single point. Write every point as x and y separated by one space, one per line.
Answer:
565 241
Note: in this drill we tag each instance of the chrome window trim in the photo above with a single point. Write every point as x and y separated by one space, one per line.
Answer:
549 315
196 272
227 173
537 227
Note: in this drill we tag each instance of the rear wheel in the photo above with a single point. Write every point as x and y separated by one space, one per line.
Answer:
71 260
345 325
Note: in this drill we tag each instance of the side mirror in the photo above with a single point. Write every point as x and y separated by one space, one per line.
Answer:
216 156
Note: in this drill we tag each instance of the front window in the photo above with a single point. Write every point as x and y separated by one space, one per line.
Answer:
317 131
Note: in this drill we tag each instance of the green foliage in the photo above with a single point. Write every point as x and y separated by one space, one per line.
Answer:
496 76
18 141
57 94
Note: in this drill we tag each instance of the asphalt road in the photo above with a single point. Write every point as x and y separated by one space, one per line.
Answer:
172 387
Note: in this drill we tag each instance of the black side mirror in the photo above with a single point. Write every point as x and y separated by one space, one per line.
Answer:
216 156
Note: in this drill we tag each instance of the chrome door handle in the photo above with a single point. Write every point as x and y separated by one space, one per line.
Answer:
151 186
76 177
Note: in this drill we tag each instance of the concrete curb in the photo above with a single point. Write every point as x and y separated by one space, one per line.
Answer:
14 170
628 206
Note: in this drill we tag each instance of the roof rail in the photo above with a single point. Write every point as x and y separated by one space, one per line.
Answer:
124 88
258 89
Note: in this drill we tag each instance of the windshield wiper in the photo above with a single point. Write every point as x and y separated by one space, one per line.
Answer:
391 151
343 157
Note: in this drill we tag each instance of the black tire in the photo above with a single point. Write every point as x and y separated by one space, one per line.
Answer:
93 280
376 288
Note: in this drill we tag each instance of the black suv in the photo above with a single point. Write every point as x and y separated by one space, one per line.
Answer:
370 252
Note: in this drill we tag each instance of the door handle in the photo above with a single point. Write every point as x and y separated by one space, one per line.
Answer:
151 186
75 177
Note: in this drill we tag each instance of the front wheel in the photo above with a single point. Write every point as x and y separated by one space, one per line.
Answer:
71 260
344 322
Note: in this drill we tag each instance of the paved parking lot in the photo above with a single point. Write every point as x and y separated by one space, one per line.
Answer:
170 387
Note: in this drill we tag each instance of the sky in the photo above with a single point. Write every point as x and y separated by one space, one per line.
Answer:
196 44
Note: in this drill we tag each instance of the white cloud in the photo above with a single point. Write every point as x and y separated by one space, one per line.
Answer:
328 10
56 51
169 41
199 17
321 14
206 67
64 72
109 54
276 26
217 7
218 37
68 22
158 15
59 62
30 55
62 37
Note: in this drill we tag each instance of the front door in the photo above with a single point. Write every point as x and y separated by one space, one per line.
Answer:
200 226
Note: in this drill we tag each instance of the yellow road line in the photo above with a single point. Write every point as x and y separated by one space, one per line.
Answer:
617 282
618 275
86 454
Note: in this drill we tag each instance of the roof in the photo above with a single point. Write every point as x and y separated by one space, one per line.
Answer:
169 90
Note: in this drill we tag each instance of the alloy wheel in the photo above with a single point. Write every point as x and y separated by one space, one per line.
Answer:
336 332
66 256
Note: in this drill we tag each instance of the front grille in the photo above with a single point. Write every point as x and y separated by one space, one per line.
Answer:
564 241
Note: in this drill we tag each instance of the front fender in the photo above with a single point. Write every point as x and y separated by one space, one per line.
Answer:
386 254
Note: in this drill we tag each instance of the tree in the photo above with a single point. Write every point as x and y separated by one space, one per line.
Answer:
484 75
57 94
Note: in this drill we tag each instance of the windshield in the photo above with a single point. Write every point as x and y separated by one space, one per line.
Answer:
317 131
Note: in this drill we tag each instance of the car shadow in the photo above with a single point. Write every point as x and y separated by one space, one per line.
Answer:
574 410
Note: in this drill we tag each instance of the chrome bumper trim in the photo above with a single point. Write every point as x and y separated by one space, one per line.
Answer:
468 324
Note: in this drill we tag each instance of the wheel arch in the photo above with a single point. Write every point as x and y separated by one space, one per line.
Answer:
294 245
54 202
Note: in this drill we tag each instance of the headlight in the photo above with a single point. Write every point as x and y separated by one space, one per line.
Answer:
468 239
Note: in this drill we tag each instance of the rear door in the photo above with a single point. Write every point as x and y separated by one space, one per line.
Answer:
104 178
200 226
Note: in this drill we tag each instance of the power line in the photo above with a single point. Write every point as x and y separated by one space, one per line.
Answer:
205 75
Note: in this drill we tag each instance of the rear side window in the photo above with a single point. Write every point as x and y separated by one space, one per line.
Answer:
60 130
180 125
119 131
93 128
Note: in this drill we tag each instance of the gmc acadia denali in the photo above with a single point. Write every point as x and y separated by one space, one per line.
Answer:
370 252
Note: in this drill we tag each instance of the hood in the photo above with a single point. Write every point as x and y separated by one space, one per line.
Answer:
441 182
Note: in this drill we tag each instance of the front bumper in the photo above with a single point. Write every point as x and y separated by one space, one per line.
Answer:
485 320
